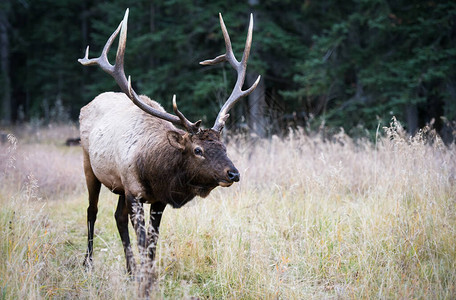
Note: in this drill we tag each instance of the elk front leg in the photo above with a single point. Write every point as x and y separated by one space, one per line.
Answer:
121 216
156 212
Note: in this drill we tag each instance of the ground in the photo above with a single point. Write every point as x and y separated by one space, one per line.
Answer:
310 218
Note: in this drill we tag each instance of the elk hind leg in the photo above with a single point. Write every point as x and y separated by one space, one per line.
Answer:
93 187
121 216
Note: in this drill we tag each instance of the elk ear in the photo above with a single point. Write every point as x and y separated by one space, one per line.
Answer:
176 140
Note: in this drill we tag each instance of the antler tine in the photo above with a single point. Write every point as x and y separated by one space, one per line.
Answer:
191 127
118 73
122 44
248 43
102 60
240 67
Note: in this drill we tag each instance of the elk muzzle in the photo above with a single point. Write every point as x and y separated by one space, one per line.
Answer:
232 175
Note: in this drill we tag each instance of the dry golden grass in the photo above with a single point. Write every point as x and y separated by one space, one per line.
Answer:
311 218
39 157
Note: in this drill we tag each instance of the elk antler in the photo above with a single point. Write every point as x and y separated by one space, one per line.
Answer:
240 68
117 71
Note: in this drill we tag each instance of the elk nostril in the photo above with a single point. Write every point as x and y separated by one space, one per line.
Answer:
233 176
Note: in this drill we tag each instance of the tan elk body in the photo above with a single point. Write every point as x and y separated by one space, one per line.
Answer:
114 131
132 146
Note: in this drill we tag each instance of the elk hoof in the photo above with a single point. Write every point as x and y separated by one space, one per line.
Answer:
88 263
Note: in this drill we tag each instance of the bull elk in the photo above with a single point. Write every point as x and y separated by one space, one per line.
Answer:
133 147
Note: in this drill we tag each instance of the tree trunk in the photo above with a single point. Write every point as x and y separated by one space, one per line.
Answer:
257 107
411 112
5 82
257 103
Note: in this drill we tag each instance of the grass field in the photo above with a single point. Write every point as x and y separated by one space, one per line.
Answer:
310 219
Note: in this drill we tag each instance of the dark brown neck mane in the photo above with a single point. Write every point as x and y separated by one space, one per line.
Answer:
166 178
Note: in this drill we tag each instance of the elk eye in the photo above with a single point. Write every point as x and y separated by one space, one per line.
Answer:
198 151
